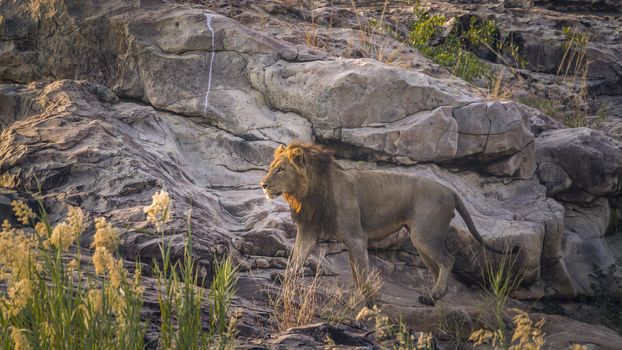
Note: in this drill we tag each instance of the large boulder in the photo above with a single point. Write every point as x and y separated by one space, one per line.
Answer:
579 165
406 116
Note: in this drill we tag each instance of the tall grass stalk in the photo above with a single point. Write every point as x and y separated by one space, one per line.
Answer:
221 294
189 314
501 278
166 294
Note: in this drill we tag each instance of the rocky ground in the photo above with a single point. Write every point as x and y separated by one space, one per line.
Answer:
104 103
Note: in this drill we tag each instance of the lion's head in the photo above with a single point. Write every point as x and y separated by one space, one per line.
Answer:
286 174
292 171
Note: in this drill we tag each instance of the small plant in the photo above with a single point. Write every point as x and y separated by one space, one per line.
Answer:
601 114
527 334
383 328
547 106
573 69
339 304
311 33
500 280
453 327
500 88
575 50
406 339
300 299
179 297
222 325
52 302
425 342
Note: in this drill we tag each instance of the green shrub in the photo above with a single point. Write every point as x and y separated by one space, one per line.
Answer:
453 51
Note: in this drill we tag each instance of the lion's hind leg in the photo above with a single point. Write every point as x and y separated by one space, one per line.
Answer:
428 238
430 264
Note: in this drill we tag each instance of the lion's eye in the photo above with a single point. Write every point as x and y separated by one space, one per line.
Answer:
278 170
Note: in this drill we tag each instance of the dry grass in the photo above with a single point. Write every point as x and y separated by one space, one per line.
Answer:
396 334
297 302
311 34
300 299
339 304
8 181
502 276
373 37
573 70
501 88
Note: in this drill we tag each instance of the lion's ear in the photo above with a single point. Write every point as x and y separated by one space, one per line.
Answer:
296 155
278 151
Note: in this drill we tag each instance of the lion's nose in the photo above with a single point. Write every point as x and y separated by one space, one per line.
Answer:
264 185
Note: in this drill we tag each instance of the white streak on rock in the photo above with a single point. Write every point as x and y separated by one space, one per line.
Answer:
208 20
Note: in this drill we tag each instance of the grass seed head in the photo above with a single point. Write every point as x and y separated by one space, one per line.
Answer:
102 259
106 236
23 212
158 212
19 294
62 236
19 339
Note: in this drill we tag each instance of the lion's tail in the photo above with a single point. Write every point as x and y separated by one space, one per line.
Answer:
469 222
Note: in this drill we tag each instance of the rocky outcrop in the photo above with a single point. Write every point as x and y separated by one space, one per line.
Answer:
255 91
582 168
588 6
122 143
102 106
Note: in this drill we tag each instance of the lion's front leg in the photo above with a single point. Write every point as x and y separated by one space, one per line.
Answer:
305 241
359 262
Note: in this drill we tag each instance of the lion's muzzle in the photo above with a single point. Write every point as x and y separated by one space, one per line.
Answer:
270 194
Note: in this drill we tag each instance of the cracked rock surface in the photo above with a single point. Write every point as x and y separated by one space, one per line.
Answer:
104 103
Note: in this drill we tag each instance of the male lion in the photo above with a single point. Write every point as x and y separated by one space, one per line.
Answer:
356 206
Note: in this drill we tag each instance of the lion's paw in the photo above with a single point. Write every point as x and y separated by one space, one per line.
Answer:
427 300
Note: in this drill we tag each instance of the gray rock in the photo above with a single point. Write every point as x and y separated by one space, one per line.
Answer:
320 333
261 88
261 263
588 250
579 165
518 4
612 6
564 331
